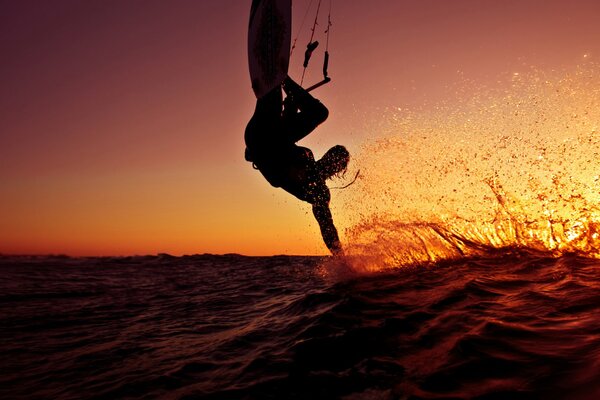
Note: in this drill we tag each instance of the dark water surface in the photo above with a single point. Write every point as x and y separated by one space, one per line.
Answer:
218 327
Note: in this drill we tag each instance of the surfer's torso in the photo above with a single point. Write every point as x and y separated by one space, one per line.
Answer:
283 163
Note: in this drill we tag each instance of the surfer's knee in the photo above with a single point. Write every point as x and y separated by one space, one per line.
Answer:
321 113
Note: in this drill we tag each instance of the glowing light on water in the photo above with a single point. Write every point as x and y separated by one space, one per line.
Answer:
512 168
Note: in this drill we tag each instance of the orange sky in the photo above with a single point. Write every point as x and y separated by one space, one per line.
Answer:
121 122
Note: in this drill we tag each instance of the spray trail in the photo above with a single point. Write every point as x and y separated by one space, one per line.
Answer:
517 167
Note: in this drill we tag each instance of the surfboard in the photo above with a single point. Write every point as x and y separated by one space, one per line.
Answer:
269 40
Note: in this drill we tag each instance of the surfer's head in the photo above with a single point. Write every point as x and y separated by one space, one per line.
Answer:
334 161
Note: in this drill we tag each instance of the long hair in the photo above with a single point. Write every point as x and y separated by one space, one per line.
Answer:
334 162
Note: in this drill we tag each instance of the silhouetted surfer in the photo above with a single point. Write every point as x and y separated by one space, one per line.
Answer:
271 137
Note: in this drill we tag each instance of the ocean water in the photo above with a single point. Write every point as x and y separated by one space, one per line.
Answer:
510 323
473 242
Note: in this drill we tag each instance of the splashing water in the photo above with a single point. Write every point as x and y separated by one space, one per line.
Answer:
516 168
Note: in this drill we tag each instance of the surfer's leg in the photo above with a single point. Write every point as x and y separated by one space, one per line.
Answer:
270 104
268 109
258 129
304 101
312 112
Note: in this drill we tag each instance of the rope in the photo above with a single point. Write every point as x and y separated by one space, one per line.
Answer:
328 26
311 45
301 26
326 59
312 35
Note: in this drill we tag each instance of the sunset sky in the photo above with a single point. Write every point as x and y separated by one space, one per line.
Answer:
121 121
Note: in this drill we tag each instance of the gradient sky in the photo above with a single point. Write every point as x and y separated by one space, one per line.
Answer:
121 121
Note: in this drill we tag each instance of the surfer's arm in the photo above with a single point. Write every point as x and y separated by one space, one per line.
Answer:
322 213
